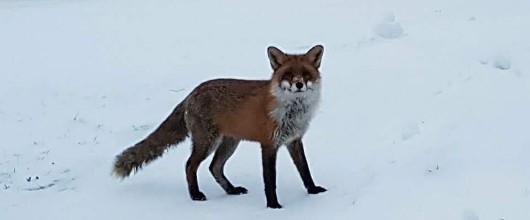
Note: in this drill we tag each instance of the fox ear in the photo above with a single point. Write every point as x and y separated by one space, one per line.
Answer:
314 55
276 57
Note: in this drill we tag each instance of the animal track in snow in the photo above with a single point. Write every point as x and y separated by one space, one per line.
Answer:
498 62
60 184
410 130
34 171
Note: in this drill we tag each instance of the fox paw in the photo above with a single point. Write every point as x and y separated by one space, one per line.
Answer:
237 191
274 205
198 196
316 190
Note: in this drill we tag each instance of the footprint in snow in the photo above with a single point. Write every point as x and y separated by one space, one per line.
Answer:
498 62
36 171
410 130
59 184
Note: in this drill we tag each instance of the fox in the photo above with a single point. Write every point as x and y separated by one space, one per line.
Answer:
219 113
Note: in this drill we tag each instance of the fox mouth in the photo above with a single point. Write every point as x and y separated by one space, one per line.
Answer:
299 90
296 87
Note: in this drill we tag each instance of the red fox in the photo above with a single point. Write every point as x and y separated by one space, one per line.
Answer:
219 113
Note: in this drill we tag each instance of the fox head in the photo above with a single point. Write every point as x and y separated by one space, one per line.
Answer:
296 73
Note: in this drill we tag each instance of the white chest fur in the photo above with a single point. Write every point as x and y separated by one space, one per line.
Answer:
293 113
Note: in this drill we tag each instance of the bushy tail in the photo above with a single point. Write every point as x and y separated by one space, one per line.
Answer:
172 131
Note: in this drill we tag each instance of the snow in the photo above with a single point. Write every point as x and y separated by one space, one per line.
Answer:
389 28
499 62
413 127
469 215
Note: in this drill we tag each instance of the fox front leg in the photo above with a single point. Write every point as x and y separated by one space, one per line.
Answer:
269 154
296 150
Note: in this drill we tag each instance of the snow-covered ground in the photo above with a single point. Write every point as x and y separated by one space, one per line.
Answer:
425 111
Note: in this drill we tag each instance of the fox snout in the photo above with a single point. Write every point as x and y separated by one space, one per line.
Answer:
296 85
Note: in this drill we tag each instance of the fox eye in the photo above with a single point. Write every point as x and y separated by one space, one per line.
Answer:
307 75
287 76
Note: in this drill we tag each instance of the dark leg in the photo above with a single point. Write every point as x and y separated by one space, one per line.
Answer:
202 147
268 154
224 151
296 150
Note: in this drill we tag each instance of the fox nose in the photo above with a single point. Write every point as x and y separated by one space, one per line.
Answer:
299 85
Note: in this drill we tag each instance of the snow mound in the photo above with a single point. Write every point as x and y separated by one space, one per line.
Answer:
501 63
389 28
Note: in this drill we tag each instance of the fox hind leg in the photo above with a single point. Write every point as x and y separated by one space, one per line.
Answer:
223 153
203 146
